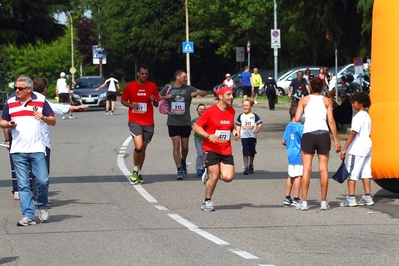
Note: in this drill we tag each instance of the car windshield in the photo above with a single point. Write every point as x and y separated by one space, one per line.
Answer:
89 83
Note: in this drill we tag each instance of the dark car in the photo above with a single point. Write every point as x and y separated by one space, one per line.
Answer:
237 90
83 92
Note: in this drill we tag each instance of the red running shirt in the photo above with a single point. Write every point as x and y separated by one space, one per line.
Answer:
215 121
140 94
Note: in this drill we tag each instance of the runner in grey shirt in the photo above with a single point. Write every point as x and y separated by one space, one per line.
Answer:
179 118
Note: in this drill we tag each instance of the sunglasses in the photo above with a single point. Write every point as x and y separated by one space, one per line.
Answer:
20 88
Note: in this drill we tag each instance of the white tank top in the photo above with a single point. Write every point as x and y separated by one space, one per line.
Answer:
229 83
62 86
316 114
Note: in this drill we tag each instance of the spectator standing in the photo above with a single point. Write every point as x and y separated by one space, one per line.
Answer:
249 125
63 92
295 83
318 111
112 84
296 96
179 118
229 81
343 112
199 162
256 83
140 96
307 74
215 126
26 112
358 147
271 91
246 82
292 141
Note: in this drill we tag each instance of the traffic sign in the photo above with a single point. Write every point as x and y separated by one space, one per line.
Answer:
358 64
240 54
188 47
248 46
275 38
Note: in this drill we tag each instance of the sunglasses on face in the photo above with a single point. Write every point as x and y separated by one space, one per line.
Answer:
19 88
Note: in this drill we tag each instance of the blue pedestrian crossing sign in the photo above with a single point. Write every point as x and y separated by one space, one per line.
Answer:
188 47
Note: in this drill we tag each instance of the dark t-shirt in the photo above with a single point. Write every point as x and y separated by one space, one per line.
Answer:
295 83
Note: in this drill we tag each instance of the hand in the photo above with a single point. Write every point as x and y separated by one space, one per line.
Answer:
38 115
343 154
152 98
12 124
337 147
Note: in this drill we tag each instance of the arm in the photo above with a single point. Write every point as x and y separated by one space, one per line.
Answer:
49 120
103 85
130 105
348 142
299 110
198 92
289 91
202 133
283 142
258 128
331 123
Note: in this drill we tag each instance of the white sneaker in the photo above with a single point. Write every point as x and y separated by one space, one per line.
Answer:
112 113
255 102
71 117
324 206
207 206
63 117
303 206
16 195
349 202
106 113
26 221
366 200
43 215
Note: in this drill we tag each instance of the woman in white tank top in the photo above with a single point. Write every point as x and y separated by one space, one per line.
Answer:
318 112
229 82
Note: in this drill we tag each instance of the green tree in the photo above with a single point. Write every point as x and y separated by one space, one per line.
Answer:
30 22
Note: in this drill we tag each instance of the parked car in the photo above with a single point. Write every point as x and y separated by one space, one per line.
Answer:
83 92
345 71
286 76
237 90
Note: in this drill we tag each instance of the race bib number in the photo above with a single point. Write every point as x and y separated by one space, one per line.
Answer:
178 108
248 125
141 108
224 135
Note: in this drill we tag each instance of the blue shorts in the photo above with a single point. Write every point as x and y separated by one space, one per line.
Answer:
248 147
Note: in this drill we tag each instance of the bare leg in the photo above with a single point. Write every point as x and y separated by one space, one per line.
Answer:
140 145
307 169
176 150
366 185
184 148
297 186
226 173
112 106
106 105
323 169
245 159
288 186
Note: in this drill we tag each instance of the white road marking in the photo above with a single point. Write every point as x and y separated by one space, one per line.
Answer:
161 208
244 254
194 228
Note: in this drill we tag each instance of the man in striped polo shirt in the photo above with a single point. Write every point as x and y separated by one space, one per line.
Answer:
25 114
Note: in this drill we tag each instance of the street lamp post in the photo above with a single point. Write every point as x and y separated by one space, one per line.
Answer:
187 54
72 69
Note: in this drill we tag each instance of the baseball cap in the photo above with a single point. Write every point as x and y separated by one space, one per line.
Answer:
62 74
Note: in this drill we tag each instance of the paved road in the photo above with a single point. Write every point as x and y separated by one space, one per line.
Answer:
98 218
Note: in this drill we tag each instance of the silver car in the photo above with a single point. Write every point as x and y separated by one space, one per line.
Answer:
83 92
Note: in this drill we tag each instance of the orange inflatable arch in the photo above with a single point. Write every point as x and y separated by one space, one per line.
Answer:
384 110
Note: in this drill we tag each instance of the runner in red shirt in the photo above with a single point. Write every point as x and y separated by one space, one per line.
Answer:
140 96
215 126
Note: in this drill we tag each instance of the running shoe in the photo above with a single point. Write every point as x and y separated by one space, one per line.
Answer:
349 202
63 117
43 215
251 169
179 174
295 202
71 117
287 201
184 167
303 206
134 177
140 179
26 221
246 170
106 113
366 200
16 195
205 176
112 112
324 206
207 206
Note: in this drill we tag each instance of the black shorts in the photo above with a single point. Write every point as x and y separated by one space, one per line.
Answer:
182 131
247 90
146 131
256 90
111 96
211 158
248 147
64 98
315 141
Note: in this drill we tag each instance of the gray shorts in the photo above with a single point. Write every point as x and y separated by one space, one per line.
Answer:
146 131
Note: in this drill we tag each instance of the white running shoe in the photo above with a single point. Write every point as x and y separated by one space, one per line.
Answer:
207 206
349 202
43 215
366 200
324 206
16 195
303 206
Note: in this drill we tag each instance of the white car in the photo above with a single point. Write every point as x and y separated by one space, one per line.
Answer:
342 71
285 77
